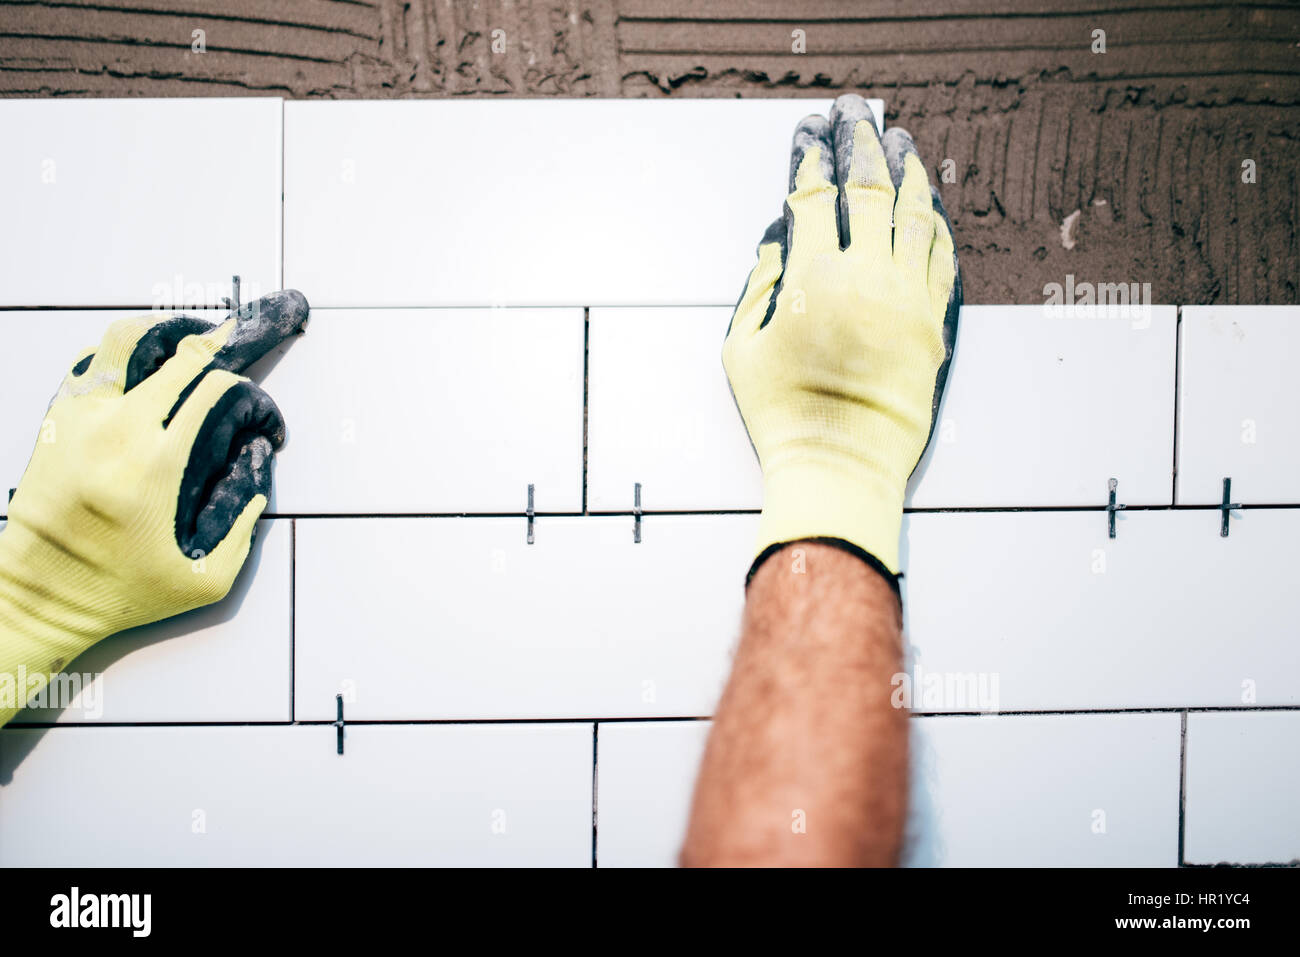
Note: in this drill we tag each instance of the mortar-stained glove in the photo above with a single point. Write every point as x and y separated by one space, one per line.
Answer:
140 500
839 347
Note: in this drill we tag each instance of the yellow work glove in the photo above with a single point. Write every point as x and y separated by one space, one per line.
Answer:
839 346
141 497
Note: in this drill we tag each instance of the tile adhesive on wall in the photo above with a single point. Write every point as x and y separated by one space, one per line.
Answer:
1140 141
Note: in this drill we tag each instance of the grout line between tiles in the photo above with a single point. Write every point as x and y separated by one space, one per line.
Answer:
686 513
642 719
1178 363
447 307
586 395
128 307
282 141
956 510
1182 791
293 614
595 786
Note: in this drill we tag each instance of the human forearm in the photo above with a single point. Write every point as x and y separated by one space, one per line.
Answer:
807 760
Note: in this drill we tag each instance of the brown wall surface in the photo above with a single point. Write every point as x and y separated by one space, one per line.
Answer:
1146 140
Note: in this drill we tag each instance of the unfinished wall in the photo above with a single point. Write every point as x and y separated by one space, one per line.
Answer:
1146 140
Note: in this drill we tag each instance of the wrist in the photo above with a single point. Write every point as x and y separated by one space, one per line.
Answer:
47 616
847 502
866 558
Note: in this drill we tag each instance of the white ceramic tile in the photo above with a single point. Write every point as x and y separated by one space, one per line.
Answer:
395 410
532 202
1045 790
1038 411
138 202
1237 415
1022 790
660 412
459 618
1043 410
400 796
646 776
1243 788
1167 614
226 662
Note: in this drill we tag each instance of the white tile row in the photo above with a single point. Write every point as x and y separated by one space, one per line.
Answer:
1099 790
1021 790
461 618
397 203
467 795
395 411
135 202
388 410
1038 411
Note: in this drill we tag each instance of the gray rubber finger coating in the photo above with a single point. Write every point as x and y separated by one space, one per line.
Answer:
775 233
229 464
849 110
949 317
897 143
158 345
261 326
812 131
231 459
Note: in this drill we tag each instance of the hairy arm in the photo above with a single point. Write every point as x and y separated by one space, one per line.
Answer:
807 760
837 356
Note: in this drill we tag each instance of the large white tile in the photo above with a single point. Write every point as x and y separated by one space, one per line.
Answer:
1024 420
1022 790
134 202
1237 415
1045 790
1043 410
396 410
645 778
1167 614
660 412
1243 788
225 662
460 618
400 796
532 202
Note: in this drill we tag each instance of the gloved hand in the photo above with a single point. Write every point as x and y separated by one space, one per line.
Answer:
141 498
839 346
